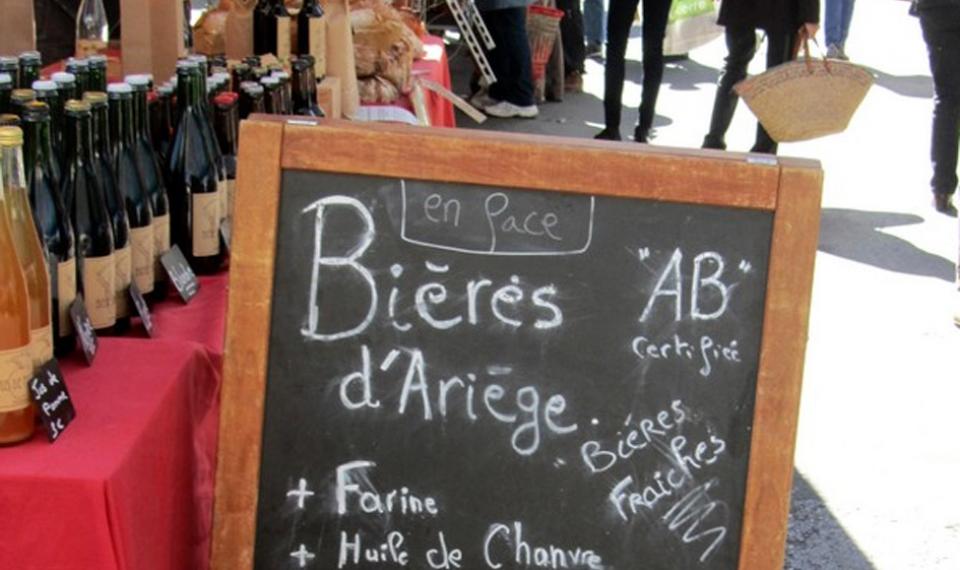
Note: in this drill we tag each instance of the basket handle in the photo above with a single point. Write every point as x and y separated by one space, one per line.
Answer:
804 39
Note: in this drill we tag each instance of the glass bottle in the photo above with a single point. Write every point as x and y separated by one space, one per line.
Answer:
305 89
93 30
160 122
11 66
93 232
101 117
26 240
49 93
312 35
194 179
53 224
19 98
153 178
238 75
29 68
134 193
286 91
97 66
251 99
272 95
271 29
227 123
16 362
67 84
6 89
80 68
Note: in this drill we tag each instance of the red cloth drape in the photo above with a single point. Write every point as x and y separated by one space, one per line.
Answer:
129 485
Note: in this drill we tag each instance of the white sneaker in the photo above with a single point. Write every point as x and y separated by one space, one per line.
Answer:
506 110
481 100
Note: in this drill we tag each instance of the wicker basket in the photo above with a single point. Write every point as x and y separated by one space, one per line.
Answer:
543 29
805 99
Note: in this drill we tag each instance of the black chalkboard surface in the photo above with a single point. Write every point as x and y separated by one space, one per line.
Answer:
466 350
514 379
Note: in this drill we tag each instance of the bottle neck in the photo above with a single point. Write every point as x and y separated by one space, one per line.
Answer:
11 163
101 130
140 115
186 92
32 143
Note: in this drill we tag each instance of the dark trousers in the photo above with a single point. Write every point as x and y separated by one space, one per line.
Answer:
571 35
510 60
941 31
619 21
741 47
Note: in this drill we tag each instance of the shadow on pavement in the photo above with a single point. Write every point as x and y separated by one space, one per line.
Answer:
920 86
815 539
857 235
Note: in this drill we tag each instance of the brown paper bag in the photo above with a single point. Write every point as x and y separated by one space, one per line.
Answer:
341 62
152 37
17 30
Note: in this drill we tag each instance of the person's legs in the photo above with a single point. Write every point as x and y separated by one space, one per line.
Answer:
780 47
514 86
619 21
655 14
741 46
846 17
571 35
594 21
493 20
833 21
941 32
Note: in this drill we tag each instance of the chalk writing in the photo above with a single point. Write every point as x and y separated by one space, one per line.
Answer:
493 223
471 393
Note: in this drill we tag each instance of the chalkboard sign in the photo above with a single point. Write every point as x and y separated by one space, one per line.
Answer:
563 360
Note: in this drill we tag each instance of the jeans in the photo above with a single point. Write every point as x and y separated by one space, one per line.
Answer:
571 36
619 22
837 15
510 60
941 32
594 21
741 47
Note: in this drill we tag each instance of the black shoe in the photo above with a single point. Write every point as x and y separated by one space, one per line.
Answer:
594 49
943 203
642 135
608 134
711 142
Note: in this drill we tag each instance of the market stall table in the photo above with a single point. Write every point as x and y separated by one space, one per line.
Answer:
129 485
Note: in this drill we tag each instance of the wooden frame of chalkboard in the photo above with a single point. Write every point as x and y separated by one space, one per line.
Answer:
788 188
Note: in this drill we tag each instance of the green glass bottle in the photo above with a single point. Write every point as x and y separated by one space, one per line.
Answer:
93 232
153 178
53 224
110 181
194 179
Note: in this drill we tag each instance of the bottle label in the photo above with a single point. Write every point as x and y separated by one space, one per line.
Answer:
16 367
41 346
100 291
223 195
283 39
161 242
142 254
66 293
318 45
206 223
122 280
231 188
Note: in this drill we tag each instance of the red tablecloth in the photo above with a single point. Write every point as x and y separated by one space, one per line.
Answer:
129 485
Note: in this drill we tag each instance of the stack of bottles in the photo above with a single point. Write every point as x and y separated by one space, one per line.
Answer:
100 179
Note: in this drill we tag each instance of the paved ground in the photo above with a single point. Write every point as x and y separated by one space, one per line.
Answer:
878 456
